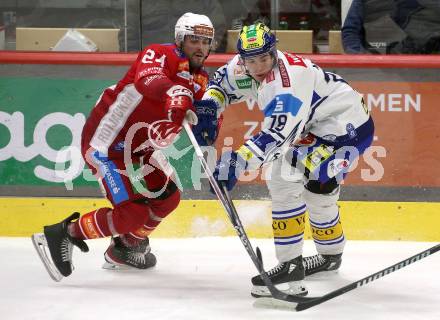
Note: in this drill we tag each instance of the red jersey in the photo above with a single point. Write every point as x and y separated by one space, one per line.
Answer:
138 100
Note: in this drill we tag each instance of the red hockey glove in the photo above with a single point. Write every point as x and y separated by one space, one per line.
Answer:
180 104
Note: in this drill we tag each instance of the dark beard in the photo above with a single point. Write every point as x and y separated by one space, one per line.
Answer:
196 65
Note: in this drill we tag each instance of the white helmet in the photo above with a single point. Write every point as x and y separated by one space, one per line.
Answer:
193 24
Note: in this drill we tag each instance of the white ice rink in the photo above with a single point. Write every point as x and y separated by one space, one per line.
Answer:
209 278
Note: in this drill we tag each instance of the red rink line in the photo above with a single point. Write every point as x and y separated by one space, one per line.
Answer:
215 60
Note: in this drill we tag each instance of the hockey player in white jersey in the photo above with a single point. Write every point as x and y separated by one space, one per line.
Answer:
315 126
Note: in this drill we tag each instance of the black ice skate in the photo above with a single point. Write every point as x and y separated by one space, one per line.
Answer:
320 263
121 256
288 274
60 245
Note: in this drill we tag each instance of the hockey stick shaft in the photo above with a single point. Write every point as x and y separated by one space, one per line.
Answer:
224 197
199 154
220 195
377 275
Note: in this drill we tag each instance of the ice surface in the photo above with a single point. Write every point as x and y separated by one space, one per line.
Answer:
209 278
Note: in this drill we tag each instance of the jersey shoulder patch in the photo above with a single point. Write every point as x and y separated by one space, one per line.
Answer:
294 60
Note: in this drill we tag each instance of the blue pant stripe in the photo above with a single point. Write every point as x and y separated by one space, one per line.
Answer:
330 242
291 237
288 217
286 243
325 224
290 210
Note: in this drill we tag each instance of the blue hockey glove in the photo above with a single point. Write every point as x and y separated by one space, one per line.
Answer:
228 169
207 127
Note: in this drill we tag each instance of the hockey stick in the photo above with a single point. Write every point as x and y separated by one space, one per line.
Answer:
372 277
298 302
229 207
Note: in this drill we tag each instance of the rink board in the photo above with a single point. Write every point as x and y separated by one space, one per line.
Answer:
412 221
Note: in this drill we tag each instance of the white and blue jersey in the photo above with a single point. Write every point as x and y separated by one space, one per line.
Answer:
297 97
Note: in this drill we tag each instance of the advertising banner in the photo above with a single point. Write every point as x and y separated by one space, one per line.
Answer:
40 133
407 129
40 117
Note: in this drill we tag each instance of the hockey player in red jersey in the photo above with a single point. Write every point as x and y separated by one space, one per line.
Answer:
120 143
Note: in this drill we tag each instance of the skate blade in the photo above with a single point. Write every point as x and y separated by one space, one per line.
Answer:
120 267
322 275
295 287
112 266
271 303
40 245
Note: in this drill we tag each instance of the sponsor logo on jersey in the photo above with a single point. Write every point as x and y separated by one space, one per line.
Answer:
283 103
270 77
330 137
216 95
283 73
186 76
294 60
351 130
184 65
337 166
202 80
115 119
317 157
150 71
150 79
244 83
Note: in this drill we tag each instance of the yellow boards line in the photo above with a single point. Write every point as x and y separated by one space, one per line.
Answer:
411 221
